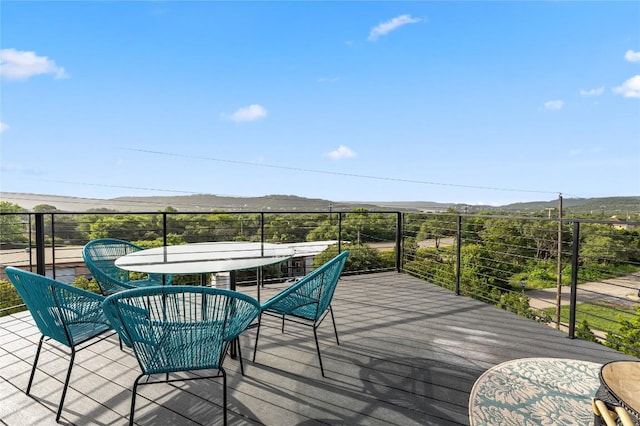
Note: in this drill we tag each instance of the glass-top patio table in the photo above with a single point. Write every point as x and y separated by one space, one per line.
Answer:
205 258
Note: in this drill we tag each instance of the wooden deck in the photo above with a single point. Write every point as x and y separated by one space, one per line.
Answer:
409 354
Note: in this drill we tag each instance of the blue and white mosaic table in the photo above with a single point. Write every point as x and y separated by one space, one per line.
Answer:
535 391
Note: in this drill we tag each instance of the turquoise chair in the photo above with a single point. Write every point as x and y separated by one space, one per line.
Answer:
308 301
69 315
180 328
100 256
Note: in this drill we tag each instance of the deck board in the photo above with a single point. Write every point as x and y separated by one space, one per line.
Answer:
409 354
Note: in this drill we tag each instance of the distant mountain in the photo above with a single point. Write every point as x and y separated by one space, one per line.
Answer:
205 202
431 206
192 203
608 206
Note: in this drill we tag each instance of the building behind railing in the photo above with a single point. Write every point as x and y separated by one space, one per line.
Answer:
579 275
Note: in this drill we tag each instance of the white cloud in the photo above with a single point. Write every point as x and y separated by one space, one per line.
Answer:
630 88
250 113
632 56
341 152
11 168
18 168
395 23
554 105
3 127
592 92
20 65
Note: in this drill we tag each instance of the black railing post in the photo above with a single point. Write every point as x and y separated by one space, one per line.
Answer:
339 232
40 261
458 255
575 252
53 246
29 229
399 240
260 277
164 229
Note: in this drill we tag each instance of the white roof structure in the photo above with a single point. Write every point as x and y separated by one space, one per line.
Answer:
310 248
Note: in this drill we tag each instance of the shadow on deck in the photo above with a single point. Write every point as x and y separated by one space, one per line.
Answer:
409 354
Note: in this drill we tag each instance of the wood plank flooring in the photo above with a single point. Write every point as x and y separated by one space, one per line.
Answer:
409 354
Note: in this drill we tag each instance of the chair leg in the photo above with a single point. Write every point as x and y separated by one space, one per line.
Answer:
224 396
255 346
236 341
315 336
35 363
66 384
133 399
333 320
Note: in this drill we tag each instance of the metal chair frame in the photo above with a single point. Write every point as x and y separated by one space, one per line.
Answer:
307 302
56 308
100 256
180 329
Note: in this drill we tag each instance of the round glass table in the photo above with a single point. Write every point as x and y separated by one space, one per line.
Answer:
205 258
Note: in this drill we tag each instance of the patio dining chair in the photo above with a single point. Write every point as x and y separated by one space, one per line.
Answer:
308 301
64 313
180 329
100 256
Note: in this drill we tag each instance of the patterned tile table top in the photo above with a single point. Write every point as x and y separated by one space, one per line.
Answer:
535 391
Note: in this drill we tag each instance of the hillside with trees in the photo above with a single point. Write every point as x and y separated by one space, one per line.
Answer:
621 207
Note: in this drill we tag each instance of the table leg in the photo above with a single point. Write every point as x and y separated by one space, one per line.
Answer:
232 280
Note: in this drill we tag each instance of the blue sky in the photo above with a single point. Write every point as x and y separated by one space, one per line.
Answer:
471 102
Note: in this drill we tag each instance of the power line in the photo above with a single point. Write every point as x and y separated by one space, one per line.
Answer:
300 169
124 187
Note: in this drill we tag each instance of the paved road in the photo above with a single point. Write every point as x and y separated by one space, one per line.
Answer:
619 291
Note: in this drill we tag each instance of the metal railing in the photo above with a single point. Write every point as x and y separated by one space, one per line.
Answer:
579 275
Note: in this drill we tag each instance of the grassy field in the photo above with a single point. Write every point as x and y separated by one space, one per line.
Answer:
600 317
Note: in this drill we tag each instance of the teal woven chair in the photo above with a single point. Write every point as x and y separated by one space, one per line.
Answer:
66 314
100 256
180 328
307 301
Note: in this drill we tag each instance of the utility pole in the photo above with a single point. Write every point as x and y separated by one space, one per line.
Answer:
549 210
559 270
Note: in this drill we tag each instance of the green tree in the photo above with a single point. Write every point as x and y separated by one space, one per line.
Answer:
44 208
122 226
438 226
627 339
361 258
327 230
214 227
67 229
284 228
506 249
583 331
602 245
12 229
361 226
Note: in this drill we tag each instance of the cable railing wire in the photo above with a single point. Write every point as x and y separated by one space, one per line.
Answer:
502 261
